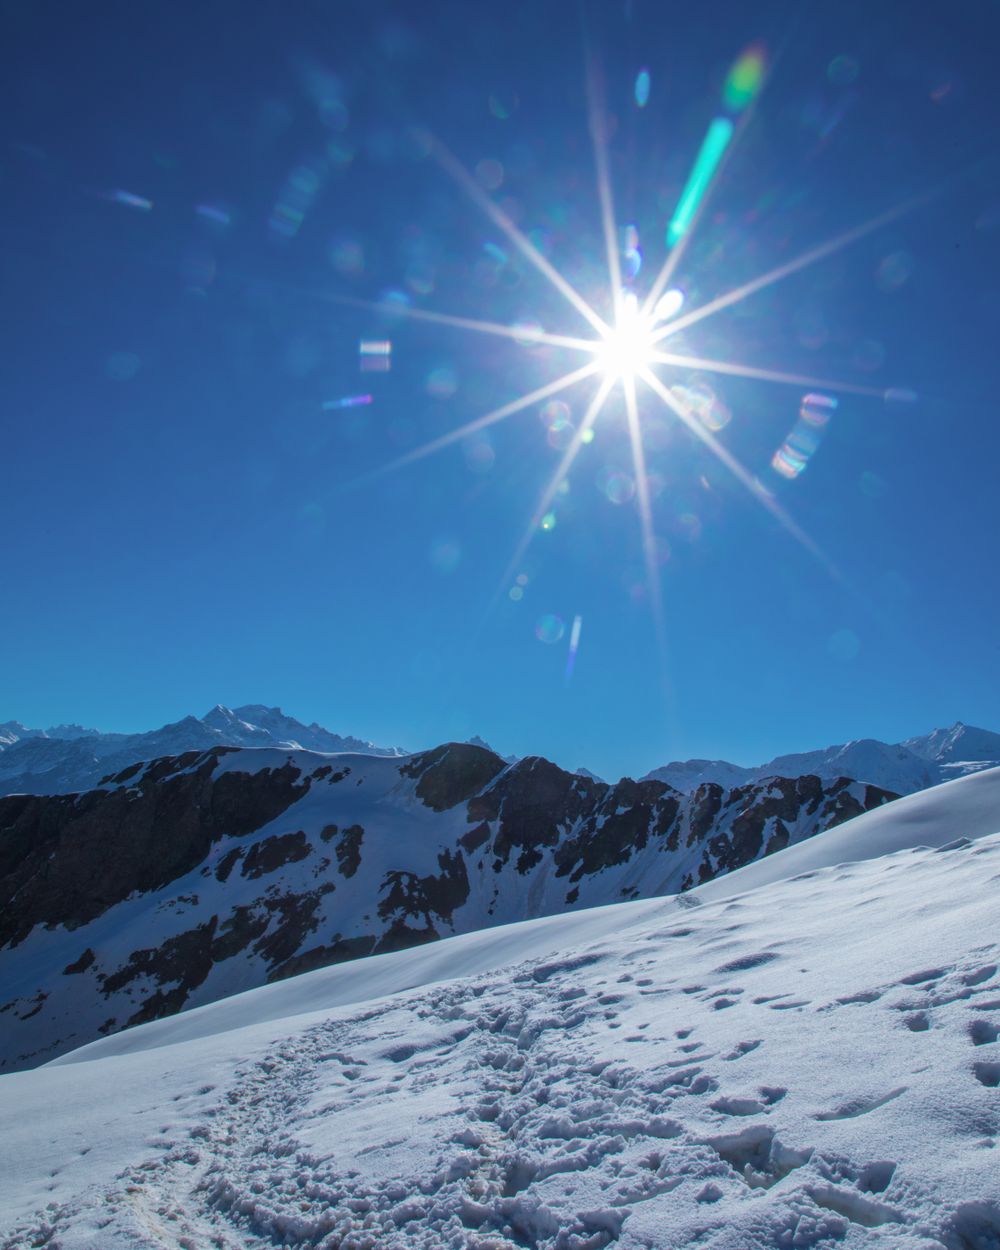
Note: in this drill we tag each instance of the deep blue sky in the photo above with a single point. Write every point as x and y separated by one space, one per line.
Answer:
182 524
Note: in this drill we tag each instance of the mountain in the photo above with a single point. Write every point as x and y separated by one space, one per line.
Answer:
69 758
903 767
958 750
201 875
802 1054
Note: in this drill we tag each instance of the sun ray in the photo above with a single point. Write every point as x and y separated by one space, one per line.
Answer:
458 172
676 252
645 513
802 261
598 136
481 423
549 493
751 483
530 337
764 375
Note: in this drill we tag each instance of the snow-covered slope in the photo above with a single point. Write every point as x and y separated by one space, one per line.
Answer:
811 1063
903 767
68 758
196 877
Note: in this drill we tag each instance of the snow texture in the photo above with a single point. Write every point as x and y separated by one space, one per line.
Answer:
317 858
803 1054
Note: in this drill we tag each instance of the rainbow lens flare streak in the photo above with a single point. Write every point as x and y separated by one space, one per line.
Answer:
713 148
800 446
624 352
574 646
349 401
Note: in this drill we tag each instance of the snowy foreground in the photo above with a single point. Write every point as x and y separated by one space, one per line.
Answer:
802 1054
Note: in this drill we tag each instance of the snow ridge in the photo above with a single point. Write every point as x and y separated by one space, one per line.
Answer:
68 758
903 767
668 1073
195 877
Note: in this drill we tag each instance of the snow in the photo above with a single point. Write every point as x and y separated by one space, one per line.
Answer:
902 767
803 1054
68 758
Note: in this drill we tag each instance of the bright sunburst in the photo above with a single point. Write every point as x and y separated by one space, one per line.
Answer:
630 353
629 348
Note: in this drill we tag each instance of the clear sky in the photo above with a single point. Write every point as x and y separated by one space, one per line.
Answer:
194 193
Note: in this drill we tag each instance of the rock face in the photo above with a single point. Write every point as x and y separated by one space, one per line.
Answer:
199 875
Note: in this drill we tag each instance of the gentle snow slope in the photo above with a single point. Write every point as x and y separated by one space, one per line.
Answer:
813 1063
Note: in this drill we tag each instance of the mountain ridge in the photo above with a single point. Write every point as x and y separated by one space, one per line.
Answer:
34 761
671 1072
68 758
196 876
905 767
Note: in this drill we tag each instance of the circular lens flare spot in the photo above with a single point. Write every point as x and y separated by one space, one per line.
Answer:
617 486
550 628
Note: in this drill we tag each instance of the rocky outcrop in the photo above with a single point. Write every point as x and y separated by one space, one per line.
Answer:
202 874
67 859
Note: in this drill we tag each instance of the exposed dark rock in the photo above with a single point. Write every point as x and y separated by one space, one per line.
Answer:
327 771
274 852
536 803
349 850
768 805
296 917
706 803
81 964
227 863
67 858
119 779
241 927
400 937
451 773
629 814
182 962
406 895
338 951
475 838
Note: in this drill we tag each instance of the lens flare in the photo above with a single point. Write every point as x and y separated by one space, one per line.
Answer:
349 401
793 456
624 348
574 646
745 78
713 148
550 628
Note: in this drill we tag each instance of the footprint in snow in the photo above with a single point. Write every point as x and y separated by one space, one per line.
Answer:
983 1032
743 1048
855 1107
919 1022
922 977
987 1074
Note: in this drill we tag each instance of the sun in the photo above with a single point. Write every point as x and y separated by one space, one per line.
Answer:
631 349
628 348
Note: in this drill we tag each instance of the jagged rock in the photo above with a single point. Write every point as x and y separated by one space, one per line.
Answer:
199 875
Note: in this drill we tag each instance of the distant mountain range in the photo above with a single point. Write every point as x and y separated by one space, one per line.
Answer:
194 877
70 758
903 767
